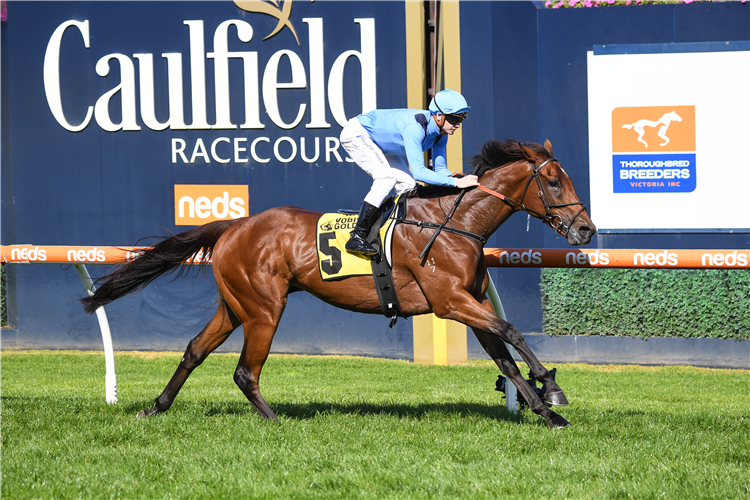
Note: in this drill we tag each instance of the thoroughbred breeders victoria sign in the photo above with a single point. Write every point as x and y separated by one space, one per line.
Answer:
220 94
660 120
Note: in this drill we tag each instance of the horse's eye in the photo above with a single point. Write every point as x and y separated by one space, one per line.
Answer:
554 183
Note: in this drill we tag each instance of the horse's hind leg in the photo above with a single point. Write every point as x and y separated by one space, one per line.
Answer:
259 305
258 337
212 336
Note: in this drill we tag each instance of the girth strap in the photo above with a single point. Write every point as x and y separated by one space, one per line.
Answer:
433 225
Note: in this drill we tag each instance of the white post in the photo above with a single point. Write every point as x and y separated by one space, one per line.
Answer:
110 379
511 393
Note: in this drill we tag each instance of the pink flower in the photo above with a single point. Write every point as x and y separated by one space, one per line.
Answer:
627 2
688 1
3 11
558 5
573 3
548 3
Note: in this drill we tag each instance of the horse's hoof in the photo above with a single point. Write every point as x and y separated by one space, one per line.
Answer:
556 398
147 413
557 422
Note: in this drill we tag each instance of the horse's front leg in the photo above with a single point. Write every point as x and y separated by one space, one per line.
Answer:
494 346
492 332
551 392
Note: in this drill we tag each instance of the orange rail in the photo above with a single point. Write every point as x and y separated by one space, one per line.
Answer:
618 258
61 254
495 257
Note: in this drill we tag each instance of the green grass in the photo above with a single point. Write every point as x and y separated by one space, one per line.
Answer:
367 428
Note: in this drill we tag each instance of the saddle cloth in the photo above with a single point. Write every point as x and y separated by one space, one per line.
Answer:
332 233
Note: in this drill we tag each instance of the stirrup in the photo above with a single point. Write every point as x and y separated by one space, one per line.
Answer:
357 244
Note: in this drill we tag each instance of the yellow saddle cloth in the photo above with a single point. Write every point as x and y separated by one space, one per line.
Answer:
334 261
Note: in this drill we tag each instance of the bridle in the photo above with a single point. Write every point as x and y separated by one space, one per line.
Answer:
548 217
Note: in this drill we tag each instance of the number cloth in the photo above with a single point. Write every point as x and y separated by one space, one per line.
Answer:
334 261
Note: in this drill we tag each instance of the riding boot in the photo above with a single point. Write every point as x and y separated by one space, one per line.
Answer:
358 237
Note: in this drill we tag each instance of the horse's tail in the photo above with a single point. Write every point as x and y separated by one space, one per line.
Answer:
162 258
628 125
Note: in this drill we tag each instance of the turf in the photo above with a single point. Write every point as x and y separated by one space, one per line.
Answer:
367 428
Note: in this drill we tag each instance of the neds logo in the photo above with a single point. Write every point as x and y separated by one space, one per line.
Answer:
196 204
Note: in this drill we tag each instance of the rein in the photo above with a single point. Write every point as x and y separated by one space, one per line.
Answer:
547 216
448 218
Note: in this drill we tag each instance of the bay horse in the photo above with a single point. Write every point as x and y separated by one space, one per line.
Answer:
259 260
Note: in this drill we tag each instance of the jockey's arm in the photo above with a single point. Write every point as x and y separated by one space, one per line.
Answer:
413 136
441 167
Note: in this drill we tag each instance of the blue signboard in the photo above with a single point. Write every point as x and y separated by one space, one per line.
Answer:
130 119
654 173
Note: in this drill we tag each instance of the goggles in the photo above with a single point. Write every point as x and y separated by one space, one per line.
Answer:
457 118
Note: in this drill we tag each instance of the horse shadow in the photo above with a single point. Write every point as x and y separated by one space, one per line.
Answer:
312 410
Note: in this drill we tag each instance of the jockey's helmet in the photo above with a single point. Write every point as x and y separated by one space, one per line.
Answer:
449 102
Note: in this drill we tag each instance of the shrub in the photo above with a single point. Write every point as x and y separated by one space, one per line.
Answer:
560 4
643 303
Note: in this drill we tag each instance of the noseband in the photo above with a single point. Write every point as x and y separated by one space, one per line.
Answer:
554 220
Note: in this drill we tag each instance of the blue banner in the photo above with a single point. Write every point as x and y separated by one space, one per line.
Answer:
654 173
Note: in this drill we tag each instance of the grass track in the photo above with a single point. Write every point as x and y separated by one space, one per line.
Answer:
367 428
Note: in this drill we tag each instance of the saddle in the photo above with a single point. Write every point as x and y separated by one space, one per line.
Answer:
336 263
392 211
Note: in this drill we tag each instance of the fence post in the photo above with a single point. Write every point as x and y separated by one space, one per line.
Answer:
110 379
511 393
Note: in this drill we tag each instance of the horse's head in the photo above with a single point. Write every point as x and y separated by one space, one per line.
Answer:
551 194
540 186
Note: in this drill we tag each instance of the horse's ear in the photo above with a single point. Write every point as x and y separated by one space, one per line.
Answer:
548 147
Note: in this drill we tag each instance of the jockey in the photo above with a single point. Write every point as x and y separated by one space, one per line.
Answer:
379 140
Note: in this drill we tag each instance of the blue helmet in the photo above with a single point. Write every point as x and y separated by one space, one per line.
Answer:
448 102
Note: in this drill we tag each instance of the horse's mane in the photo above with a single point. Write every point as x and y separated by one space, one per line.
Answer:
494 154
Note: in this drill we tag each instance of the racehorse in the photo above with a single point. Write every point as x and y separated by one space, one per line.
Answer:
259 260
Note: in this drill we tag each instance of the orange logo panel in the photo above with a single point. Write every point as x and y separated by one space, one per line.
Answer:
196 204
653 129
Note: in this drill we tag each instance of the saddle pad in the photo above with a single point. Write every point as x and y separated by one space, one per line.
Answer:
334 261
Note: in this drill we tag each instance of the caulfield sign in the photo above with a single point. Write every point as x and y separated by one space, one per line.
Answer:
653 149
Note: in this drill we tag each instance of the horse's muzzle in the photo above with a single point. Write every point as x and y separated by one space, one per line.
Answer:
581 233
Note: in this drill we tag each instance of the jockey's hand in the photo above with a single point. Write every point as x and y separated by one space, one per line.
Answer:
467 181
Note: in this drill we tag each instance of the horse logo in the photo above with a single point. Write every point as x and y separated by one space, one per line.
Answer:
664 121
653 129
280 10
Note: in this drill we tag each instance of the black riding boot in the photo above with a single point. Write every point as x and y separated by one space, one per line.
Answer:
358 241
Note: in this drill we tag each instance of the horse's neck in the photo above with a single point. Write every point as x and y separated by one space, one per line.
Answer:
485 212
478 212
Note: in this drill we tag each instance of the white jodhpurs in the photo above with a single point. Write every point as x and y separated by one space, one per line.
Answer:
387 171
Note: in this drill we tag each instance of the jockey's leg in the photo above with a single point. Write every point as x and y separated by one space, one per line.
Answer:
370 158
404 181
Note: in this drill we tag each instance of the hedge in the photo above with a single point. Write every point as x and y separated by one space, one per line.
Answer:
712 303
560 4
3 301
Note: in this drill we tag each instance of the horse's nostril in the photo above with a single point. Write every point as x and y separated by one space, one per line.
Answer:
584 231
